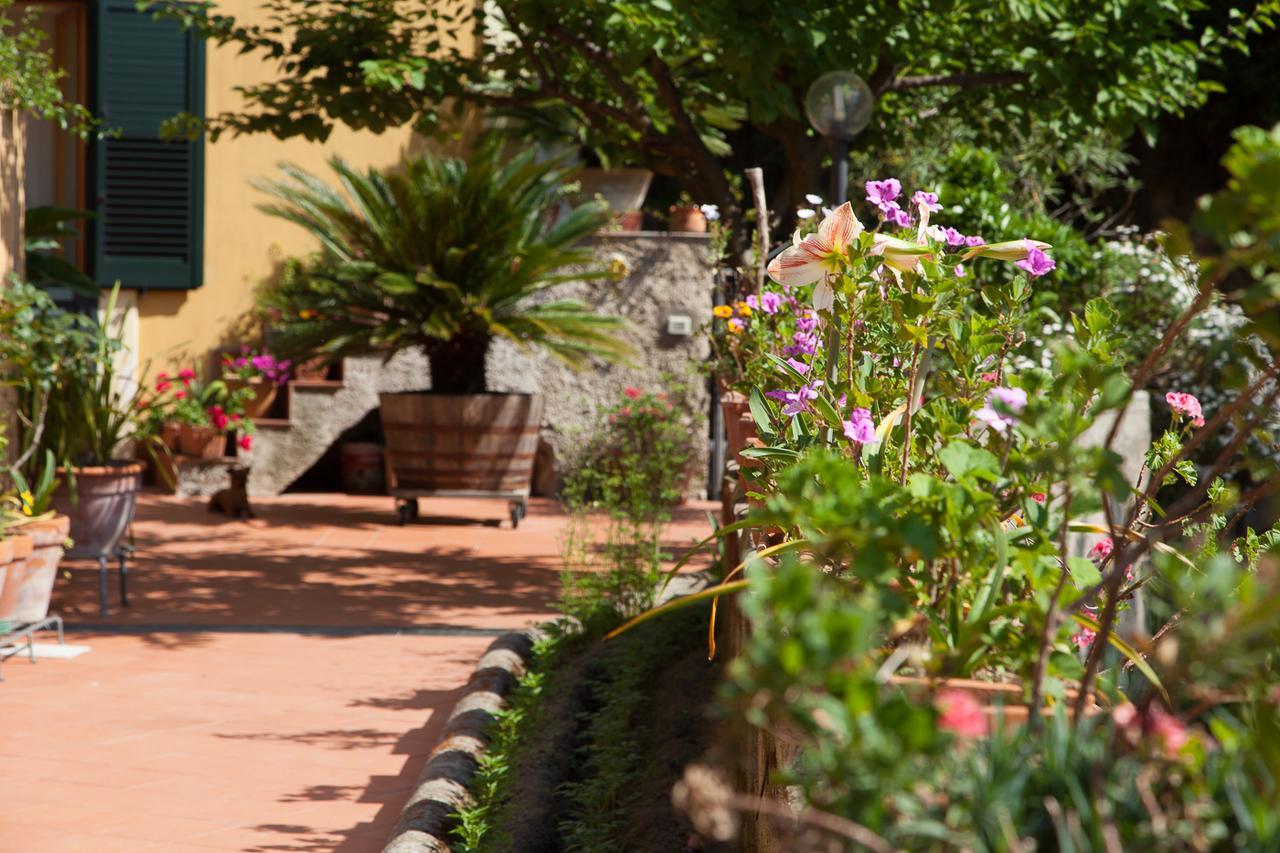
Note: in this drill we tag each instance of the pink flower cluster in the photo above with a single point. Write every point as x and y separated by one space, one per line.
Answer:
1170 733
960 713
1185 405
1002 408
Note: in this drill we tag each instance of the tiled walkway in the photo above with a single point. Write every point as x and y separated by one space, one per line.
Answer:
275 684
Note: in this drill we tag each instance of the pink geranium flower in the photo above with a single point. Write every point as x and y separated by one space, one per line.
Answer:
1101 549
1003 406
884 194
960 713
1185 405
632 393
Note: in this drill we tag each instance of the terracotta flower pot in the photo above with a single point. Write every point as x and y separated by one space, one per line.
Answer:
28 579
169 434
312 369
103 507
686 219
264 394
201 442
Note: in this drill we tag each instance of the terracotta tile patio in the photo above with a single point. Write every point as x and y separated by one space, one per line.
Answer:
276 684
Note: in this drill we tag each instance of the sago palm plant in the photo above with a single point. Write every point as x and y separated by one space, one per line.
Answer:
442 254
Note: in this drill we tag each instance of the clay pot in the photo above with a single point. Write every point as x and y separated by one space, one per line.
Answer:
363 468
201 442
686 219
264 394
313 369
629 220
103 508
28 580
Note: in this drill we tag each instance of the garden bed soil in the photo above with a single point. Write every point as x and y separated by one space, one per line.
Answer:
618 723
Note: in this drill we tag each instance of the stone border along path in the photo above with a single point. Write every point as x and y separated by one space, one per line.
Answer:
444 785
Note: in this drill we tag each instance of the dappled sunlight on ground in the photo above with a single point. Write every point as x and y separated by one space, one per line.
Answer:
276 684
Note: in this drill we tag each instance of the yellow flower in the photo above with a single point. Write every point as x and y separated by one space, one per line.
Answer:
308 313
28 503
724 312
744 309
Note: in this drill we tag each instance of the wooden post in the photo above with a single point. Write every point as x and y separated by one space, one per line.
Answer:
12 209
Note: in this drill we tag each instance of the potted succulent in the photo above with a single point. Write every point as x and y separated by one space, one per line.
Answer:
73 405
686 217
443 256
259 373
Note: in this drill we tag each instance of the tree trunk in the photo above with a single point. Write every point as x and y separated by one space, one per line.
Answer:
458 365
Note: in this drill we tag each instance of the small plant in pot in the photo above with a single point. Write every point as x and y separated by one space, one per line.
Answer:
259 373
32 540
203 412
76 409
444 256
686 217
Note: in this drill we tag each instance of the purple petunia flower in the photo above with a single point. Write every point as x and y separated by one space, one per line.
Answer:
859 428
926 201
802 343
883 193
1036 263
797 401
1011 400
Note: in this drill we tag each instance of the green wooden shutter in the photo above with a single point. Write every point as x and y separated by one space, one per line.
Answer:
149 193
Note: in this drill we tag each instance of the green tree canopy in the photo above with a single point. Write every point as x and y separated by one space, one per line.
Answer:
674 84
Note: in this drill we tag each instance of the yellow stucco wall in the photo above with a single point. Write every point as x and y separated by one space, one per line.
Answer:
241 244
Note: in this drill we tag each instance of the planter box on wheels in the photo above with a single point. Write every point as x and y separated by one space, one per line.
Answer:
461 445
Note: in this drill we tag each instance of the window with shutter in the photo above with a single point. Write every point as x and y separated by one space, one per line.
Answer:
149 193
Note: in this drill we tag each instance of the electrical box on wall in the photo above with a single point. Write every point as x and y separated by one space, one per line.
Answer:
679 325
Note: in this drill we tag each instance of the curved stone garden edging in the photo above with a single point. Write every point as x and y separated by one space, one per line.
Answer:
443 786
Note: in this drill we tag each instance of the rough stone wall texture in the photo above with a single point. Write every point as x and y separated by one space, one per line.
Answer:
669 274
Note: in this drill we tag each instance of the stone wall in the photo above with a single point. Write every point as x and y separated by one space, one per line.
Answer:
669 274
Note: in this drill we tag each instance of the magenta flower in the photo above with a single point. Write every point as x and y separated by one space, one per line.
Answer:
926 201
1083 638
960 713
798 366
768 302
1003 406
973 240
1036 263
859 428
1101 549
807 322
797 401
959 271
899 217
883 194
802 343
953 237
1185 405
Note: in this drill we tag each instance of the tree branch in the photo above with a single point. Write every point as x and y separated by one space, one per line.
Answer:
985 78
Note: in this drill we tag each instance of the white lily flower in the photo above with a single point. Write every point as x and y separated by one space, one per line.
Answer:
901 255
1010 250
810 258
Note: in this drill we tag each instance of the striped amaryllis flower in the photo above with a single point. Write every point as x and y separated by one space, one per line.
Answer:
810 258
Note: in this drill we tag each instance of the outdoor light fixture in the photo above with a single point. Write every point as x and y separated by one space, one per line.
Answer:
838 106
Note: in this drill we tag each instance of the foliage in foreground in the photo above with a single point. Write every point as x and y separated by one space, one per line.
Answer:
927 465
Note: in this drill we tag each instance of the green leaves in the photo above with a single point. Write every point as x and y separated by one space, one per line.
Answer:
965 462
